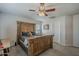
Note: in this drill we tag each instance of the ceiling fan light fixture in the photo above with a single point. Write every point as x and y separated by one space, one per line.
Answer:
42 13
42 10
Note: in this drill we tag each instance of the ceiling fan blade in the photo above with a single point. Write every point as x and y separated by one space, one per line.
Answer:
32 10
50 10
46 14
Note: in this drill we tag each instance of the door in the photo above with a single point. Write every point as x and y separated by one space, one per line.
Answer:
57 32
76 30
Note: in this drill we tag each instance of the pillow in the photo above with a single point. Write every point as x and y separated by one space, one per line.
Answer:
25 33
33 33
30 34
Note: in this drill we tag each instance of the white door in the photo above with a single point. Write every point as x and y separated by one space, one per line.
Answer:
76 30
57 32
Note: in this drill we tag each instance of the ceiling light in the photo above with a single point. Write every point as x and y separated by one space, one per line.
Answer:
42 10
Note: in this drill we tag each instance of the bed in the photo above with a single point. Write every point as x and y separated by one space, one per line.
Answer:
35 45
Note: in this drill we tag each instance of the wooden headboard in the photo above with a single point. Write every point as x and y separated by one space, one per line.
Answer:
27 27
24 27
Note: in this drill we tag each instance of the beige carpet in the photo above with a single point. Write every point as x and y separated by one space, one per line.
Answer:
57 50
17 51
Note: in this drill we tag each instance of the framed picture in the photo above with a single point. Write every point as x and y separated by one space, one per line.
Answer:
46 26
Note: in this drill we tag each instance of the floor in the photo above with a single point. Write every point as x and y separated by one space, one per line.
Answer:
57 50
17 51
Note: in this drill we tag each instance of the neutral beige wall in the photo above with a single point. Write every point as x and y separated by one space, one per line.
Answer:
51 26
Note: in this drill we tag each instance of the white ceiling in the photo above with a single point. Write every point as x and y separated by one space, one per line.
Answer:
21 9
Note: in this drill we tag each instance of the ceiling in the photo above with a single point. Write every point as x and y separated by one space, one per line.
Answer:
21 9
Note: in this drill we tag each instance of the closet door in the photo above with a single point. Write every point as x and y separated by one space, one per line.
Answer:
57 32
76 30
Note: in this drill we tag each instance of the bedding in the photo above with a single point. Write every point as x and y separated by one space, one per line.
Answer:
25 34
33 33
24 40
25 37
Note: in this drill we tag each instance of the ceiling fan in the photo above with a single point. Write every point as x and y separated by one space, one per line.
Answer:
42 10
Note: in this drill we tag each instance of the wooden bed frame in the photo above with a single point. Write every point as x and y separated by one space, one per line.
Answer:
38 45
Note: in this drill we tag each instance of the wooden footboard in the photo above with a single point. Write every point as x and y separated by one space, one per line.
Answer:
40 44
